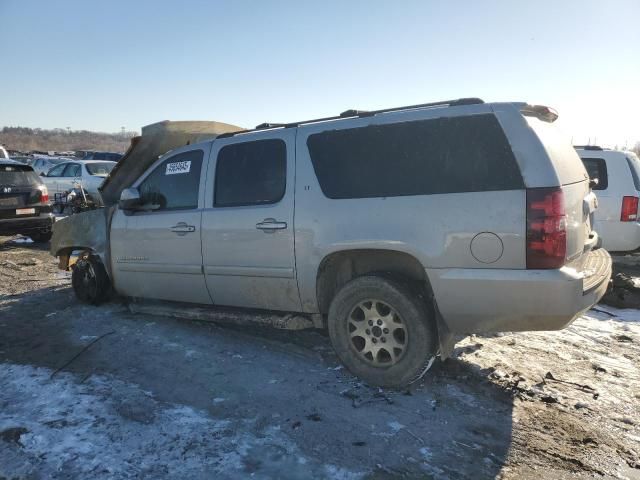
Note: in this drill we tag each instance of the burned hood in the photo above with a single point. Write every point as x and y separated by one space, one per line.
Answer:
156 140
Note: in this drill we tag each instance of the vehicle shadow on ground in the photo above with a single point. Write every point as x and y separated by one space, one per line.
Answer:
454 423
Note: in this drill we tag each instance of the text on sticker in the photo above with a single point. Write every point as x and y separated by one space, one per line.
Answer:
178 167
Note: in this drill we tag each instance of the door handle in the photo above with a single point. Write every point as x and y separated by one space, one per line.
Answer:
270 224
181 228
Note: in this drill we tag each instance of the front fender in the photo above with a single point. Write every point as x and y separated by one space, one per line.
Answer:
82 231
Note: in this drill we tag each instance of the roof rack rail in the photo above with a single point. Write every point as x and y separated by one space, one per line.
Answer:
268 125
588 147
359 113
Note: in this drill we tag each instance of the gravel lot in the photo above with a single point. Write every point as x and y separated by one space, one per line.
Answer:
157 397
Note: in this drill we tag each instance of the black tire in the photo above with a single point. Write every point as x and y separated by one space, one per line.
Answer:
414 342
90 280
41 237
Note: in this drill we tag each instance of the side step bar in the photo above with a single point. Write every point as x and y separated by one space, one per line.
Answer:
223 315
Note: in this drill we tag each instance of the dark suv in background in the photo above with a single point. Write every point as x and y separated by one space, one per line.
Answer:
24 202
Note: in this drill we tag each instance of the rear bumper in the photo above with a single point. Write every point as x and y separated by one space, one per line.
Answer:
11 226
496 300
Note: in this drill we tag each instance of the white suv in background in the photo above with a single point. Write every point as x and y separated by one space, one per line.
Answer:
618 191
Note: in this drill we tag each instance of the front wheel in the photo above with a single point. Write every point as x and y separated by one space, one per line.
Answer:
382 330
90 280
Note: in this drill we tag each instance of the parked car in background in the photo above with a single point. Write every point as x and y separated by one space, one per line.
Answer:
42 164
24 202
22 159
86 173
618 190
3 153
410 225
110 156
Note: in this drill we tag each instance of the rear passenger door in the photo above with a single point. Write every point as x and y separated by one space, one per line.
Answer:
247 225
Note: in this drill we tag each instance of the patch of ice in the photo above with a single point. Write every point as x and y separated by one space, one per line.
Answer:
105 428
395 426
465 398
426 453
22 240
605 312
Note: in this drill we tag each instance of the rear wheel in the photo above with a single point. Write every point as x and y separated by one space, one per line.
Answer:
382 330
90 280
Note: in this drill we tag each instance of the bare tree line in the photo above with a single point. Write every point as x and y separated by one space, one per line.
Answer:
59 139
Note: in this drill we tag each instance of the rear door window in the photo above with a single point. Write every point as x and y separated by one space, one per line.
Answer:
251 173
174 184
597 170
443 155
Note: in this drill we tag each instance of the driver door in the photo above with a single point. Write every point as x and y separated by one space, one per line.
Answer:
157 252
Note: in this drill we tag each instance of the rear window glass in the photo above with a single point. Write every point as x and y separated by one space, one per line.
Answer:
251 173
101 169
175 183
597 169
444 155
634 166
18 176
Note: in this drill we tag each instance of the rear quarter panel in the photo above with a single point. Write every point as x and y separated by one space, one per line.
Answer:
436 229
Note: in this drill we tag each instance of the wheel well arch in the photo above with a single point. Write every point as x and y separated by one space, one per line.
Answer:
65 253
338 268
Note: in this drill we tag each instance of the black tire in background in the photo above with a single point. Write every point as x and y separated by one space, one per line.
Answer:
373 307
40 237
90 280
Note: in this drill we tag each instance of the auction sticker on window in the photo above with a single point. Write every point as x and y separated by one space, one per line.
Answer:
178 167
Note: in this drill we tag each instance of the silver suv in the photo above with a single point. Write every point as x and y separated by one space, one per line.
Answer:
398 228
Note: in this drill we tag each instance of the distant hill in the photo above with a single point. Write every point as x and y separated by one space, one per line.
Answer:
59 139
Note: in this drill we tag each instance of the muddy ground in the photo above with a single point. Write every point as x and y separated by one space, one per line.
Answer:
156 397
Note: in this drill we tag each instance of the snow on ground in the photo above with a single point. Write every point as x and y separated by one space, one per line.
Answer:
120 431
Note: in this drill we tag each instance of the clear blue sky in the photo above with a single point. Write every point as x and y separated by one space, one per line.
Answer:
100 65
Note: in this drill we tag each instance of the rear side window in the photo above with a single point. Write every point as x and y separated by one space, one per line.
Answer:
175 183
597 169
634 166
251 173
444 155
101 169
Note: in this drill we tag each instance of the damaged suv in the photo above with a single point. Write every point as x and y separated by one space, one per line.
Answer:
397 229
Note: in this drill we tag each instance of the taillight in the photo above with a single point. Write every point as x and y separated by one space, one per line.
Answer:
629 212
44 194
546 228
